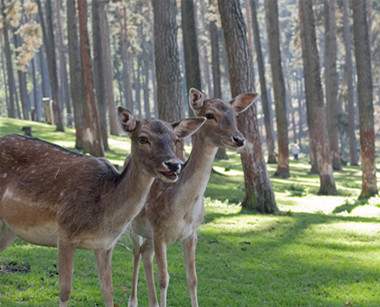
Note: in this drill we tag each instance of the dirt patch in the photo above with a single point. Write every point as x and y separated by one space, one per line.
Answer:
13 267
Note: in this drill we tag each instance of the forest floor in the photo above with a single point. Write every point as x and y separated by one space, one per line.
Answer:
319 251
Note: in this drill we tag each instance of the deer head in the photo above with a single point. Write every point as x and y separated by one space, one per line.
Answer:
153 143
220 128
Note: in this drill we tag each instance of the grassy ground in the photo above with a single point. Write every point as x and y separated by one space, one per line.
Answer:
321 251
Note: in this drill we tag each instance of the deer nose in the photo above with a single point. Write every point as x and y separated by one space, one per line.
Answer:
238 141
173 165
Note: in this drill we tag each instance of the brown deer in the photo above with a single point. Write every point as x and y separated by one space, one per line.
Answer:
54 197
174 212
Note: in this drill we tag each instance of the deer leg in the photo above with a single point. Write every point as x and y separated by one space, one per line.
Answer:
103 263
189 246
147 253
66 253
136 267
162 266
6 236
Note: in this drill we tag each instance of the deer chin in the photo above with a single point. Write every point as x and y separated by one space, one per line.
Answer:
233 146
168 176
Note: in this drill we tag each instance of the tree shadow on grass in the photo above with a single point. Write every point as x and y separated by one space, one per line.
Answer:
349 207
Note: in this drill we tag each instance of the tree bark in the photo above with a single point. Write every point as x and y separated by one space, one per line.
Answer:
99 68
264 94
92 141
354 160
168 76
75 72
259 194
8 61
190 45
366 117
48 38
314 96
331 82
271 8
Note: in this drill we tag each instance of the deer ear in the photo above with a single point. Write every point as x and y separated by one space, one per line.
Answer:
243 101
196 99
127 119
187 127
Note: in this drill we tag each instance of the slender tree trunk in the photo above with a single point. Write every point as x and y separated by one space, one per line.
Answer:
168 76
99 69
3 65
190 45
331 82
63 69
350 90
8 61
264 94
278 89
35 96
366 117
75 72
92 140
259 194
48 38
316 112
108 74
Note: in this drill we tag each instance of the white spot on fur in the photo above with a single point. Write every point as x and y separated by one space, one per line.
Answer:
5 175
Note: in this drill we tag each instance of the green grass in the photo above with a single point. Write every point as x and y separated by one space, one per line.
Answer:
320 251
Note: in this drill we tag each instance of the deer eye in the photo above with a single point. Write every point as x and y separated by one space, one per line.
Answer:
143 140
210 116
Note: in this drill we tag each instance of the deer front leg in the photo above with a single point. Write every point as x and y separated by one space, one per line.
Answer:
162 266
66 253
136 266
147 252
103 263
189 246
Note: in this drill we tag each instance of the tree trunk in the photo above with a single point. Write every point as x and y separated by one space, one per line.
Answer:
63 70
331 82
75 69
259 194
8 61
350 89
366 117
127 74
108 74
168 76
314 96
92 141
271 9
48 38
264 94
190 45
99 69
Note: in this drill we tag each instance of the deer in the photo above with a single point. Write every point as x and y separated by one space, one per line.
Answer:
54 197
174 212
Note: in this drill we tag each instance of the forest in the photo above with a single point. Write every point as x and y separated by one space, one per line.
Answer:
316 66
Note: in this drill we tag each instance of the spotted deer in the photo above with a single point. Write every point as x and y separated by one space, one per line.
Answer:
51 196
174 212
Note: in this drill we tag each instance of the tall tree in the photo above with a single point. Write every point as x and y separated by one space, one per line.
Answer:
366 117
190 45
9 64
350 88
314 97
75 69
273 31
64 88
166 56
99 67
331 82
92 140
49 42
264 94
259 194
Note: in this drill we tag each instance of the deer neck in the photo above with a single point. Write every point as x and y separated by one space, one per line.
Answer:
130 194
197 170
